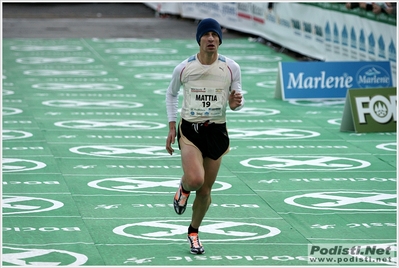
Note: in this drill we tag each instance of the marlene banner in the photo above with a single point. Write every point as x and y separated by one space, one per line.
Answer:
329 80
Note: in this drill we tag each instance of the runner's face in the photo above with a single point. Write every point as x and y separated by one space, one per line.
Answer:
210 42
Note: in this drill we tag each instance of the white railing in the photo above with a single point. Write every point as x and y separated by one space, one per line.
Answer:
327 32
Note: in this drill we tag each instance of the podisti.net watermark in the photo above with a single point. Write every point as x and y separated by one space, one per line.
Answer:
351 254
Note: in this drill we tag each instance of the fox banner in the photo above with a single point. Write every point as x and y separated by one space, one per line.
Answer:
329 80
370 110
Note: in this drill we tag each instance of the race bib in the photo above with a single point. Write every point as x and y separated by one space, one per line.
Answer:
206 101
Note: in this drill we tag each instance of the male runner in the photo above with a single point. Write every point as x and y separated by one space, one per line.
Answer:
210 82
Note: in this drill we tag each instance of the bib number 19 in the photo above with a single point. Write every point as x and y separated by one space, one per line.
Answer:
206 103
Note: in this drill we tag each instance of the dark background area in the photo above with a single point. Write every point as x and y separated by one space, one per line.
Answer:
76 10
104 20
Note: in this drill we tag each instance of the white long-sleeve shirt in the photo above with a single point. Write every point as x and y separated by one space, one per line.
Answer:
205 89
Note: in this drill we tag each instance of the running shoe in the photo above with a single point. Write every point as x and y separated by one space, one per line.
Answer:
180 200
195 244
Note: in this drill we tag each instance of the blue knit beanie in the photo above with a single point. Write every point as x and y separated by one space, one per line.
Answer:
208 25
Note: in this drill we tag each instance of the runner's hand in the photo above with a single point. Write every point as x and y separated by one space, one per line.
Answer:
170 140
235 99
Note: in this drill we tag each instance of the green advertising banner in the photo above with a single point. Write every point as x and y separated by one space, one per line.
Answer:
370 110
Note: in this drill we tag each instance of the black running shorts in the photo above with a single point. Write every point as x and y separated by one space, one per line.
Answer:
210 138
